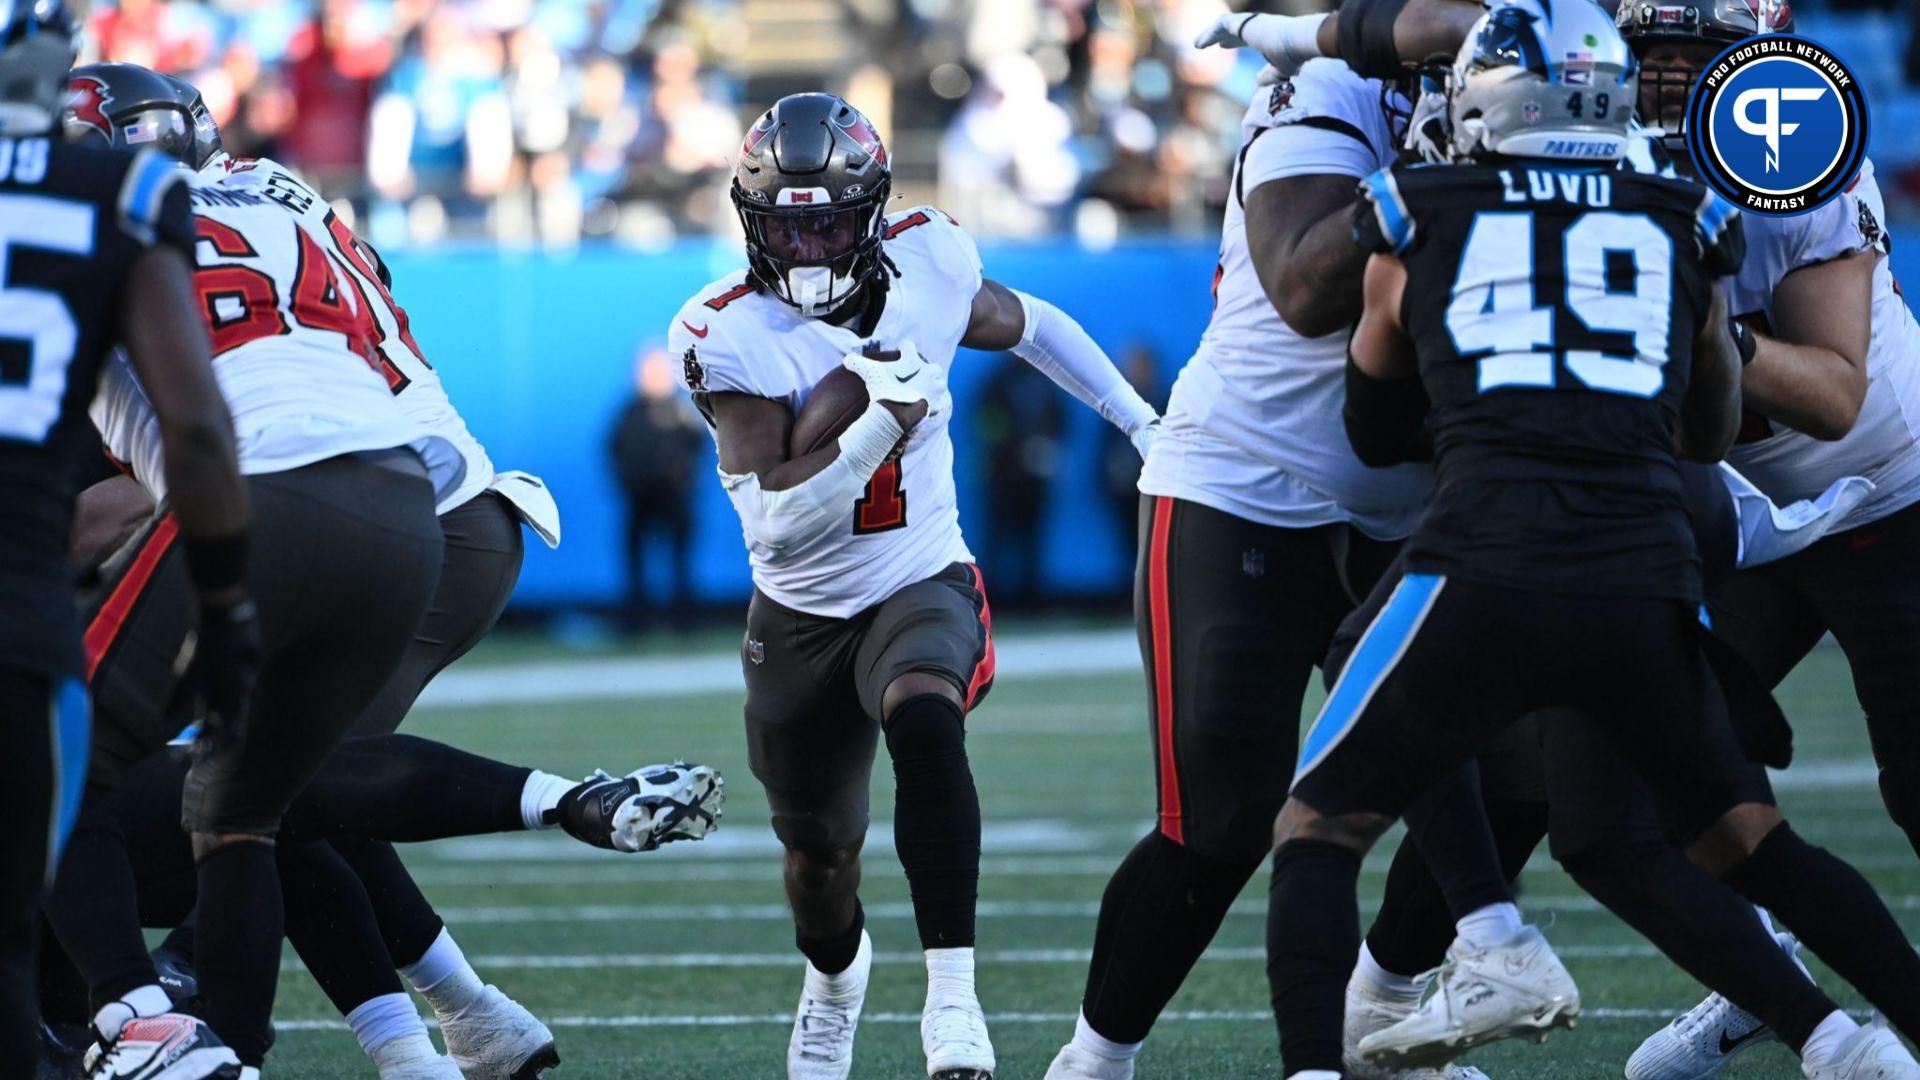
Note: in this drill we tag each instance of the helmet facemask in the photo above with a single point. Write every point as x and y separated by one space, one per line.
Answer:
814 257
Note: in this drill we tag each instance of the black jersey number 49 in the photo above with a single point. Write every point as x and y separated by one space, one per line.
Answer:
1493 315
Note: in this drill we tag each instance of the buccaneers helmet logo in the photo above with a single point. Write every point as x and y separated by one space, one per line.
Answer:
87 104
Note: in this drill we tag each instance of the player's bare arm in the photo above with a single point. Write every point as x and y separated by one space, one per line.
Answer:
1372 36
1386 404
1058 347
167 343
1300 234
1710 413
1810 373
752 436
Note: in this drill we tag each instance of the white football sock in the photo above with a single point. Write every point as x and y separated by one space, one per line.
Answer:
148 1000
1823 1046
541 796
949 974
1495 924
1385 983
380 1020
443 976
404 1051
1100 1046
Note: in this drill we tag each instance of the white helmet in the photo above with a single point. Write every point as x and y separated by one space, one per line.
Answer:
1543 79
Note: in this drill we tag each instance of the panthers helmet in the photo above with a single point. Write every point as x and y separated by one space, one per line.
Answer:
132 107
38 41
1674 41
1542 79
811 190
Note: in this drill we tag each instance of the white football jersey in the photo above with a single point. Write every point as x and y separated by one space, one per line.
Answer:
1253 426
733 338
1786 464
399 358
293 346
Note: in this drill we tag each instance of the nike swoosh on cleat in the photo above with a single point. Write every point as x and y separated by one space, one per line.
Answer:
696 331
903 378
1728 1046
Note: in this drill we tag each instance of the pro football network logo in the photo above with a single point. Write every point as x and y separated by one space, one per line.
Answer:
1777 124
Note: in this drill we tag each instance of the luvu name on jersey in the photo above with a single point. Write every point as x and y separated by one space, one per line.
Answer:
734 338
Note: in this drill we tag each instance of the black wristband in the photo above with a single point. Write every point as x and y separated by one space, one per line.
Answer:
1743 340
217 562
1365 34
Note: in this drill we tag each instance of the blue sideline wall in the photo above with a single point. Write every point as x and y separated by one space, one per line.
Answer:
537 352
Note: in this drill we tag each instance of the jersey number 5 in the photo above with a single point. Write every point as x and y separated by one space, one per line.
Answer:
1619 280
884 506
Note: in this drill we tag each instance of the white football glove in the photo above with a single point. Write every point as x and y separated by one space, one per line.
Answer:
1287 41
1143 436
906 380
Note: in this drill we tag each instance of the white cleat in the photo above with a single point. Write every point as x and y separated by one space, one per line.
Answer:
1872 1053
496 1038
414 1061
1076 1062
1369 1011
170 1046
953 1032
1700 1042
1518 988
824 1025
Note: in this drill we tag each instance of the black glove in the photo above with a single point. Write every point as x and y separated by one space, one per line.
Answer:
226 660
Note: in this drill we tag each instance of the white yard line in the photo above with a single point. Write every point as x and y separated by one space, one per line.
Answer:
624 678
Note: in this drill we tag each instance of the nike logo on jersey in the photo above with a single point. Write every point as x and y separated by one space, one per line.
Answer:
1728 1046
696 331
904 378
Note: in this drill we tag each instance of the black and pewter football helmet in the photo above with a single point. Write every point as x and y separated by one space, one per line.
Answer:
132 107
811 189
38 41
1675 40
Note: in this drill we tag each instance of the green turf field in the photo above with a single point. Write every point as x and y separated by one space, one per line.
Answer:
680 964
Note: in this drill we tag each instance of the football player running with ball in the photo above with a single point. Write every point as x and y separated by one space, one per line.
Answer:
868 615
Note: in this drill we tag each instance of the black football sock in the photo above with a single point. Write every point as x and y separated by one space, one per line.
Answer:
1313 937
1416 920
1705 928
237 954
1159 913
831 956
95 905
408 923
1834 912
936 818
330 923
406 790
179 940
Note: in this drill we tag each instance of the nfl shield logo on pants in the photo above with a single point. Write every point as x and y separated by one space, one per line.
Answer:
756 651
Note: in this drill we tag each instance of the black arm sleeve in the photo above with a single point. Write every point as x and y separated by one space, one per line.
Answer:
1386 418
1366 37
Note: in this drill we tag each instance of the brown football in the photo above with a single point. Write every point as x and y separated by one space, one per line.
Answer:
836 401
